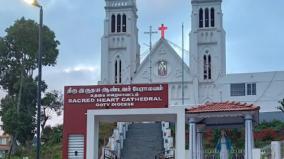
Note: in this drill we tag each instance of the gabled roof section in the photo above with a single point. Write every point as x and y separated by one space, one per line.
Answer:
223 107
163 41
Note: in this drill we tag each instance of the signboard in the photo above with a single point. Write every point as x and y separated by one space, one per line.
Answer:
117 96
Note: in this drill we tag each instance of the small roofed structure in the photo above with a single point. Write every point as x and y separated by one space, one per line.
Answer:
221 115
224 114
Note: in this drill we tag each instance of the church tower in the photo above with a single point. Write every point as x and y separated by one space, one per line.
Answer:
120 49
207 41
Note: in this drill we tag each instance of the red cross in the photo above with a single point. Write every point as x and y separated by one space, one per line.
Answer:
163 30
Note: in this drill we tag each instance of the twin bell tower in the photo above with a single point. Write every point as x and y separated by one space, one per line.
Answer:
120 56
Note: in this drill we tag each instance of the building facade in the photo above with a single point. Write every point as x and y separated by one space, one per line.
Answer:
205 78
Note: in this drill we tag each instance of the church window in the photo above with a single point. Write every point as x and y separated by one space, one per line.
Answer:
209 66
117 71
212 21
238 89
120 75
113 23
162 68
206 17
118 23
205 67
200 18
251 89
124 23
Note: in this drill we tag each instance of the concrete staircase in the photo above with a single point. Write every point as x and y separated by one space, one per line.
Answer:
143 141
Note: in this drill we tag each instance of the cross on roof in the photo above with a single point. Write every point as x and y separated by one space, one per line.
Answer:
163 30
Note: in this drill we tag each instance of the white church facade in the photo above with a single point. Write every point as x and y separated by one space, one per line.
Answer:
195 94
205 78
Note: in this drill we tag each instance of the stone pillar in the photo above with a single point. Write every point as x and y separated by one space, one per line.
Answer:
180 135
248 137
118 144
276 149
192 139
199 142
91 146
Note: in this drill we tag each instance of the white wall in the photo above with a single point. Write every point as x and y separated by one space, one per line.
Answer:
269 89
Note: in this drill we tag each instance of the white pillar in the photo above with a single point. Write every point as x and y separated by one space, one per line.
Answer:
124 131
199 143
96 139
119 147
180 135
192 139
121 140
276 149
92 147
248 137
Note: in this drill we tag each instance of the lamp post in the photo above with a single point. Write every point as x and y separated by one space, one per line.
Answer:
36 4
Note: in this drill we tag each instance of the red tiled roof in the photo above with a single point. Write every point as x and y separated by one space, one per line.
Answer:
223 107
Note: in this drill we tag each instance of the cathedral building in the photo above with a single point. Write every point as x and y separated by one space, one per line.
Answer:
205 78
184 91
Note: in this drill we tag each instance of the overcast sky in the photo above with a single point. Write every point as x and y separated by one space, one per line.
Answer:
254 33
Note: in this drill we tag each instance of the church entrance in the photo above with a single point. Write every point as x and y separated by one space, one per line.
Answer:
86 107
173 114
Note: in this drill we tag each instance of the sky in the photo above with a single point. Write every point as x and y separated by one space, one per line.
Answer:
254 33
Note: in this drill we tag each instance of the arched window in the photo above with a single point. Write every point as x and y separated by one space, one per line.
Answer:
200 18
212 17
205 67
113 23
206 17
118 23
209 66
119 71
115 71
124 23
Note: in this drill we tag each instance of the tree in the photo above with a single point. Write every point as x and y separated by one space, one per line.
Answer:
52 135
18 61
18 52
51 103
281 107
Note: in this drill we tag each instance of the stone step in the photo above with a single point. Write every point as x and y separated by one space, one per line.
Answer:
144 141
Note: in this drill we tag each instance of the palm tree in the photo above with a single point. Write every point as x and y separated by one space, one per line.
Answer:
281 107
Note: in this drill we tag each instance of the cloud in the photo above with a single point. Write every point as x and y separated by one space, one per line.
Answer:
57 78
67 4
82 68
158 6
